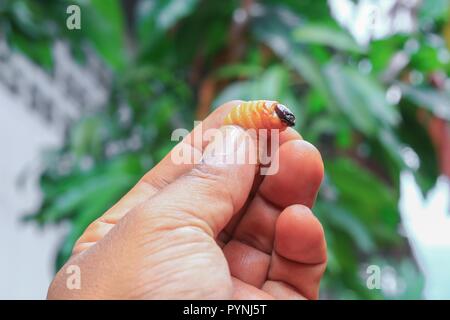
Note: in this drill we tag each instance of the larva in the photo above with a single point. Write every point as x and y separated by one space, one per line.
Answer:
261 114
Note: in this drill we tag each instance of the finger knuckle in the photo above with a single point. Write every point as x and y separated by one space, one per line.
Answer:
214 182
209 175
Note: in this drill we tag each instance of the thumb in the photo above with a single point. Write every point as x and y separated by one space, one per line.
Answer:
208 195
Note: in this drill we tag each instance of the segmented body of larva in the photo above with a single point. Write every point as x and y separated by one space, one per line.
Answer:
261 114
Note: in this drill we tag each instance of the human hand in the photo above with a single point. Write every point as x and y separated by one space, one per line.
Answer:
209 230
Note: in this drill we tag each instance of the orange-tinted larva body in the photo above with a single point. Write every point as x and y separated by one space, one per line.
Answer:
260 114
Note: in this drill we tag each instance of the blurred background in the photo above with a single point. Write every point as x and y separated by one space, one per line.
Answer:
88 103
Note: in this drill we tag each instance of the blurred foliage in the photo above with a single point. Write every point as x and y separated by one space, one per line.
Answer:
176 59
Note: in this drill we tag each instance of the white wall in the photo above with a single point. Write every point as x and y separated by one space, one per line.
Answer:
28 95
26 253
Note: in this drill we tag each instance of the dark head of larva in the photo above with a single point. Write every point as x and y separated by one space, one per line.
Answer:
285 114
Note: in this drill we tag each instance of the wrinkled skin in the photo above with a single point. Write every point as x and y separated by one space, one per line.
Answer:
208 231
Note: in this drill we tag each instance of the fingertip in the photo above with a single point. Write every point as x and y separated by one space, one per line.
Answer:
298 177
299 236
289 134
310 152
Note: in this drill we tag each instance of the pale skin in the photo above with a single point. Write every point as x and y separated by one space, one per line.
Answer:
208 231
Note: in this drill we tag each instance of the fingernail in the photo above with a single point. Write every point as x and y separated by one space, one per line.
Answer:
228 145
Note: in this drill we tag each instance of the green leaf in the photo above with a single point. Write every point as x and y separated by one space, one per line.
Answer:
96 188
310 70
438 102
326 35
87 136
366 196
25 20
160 15
241 90
173 10
273 84
88 212
427 59
276 34
414 134
391 143
342 219
238 71
433 10
66 195
348 100
39 51
360 98
382 51
103 24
